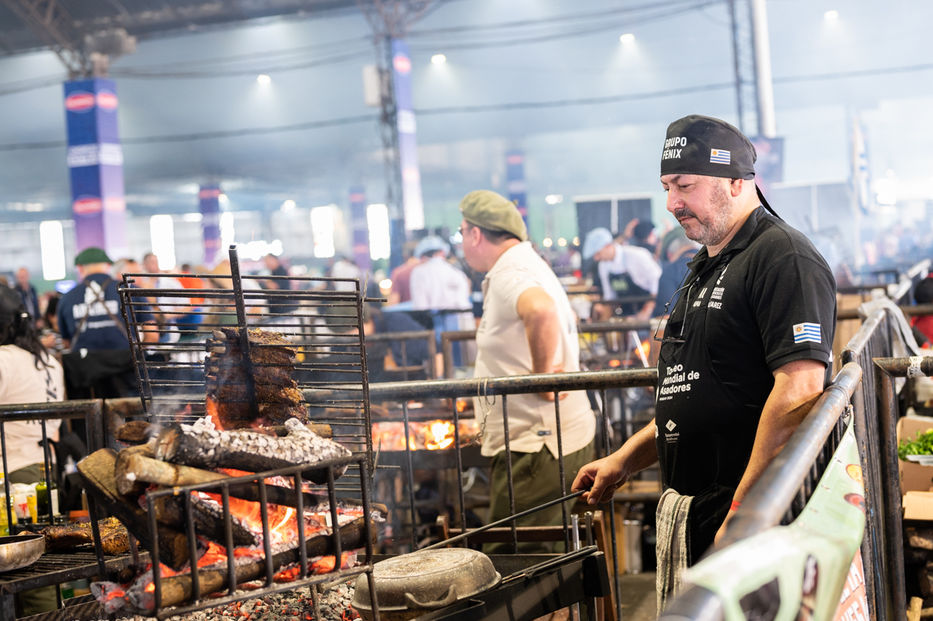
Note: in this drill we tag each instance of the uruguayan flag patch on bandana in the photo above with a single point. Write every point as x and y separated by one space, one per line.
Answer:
807 333
720 156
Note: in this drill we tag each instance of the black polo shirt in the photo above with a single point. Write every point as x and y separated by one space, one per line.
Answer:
767 299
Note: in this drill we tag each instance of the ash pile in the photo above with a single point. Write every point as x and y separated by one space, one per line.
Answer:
277 469
301 604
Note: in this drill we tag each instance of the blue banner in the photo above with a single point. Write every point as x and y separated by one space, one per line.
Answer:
95 163
360 227
209 206
412 202
515 181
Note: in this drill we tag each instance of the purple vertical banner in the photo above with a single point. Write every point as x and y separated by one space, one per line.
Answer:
95 164
360 227
209 206
412 202
515 181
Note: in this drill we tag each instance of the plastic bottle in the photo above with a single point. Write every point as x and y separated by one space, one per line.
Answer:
42 499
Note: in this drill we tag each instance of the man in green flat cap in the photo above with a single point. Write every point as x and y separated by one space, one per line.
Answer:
527 327
91 324
89 315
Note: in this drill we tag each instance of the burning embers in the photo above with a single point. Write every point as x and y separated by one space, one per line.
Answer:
265 515
431 435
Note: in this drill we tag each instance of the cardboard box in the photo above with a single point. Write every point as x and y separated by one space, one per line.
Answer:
914 477
918 505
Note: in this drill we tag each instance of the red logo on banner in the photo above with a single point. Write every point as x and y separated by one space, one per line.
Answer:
402 64
90 204
515 159
79 102
357 198
107 100
209 193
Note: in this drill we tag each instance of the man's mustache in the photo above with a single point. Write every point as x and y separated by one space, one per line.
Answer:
682 213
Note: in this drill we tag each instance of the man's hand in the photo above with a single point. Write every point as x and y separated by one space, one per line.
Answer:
604 476
549 396
722 529
601 477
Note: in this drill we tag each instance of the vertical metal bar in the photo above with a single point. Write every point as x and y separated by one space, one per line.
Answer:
47 468
735 65
560 470
316 601
404 345
154 554
364 379
300 522
244 332
94 421
228 539
7 607
447 351
128 310
367 511
616 578
192 548
894 540
591 602
6 479
410 475
432 356
335 519
508 470
95 531
461 496
874 525
575 537
266 537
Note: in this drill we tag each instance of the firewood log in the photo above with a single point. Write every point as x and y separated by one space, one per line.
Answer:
128 483
205 447
139 468
97 471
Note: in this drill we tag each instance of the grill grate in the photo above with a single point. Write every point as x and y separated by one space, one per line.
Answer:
320 318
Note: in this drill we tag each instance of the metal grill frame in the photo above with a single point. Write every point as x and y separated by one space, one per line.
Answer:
502 387
348 414
340 309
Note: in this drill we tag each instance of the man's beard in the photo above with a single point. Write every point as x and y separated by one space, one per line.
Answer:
716 227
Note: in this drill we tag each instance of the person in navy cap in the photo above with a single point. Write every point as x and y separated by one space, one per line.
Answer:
746 350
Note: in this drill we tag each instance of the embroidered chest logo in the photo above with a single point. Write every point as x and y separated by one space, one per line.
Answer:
700 297
715 298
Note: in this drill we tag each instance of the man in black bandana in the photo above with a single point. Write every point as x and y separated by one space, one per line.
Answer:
748 341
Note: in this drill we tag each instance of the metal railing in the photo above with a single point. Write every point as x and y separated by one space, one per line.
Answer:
873 339
502 387
53 568
782 491
584 330
865 385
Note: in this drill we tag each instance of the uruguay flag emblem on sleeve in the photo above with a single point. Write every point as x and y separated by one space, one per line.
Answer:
807 332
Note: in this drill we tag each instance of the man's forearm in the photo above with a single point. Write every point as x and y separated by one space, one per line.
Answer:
542 333
542 328
789 402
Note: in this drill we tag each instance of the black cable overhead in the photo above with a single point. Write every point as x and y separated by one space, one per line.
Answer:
479 108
